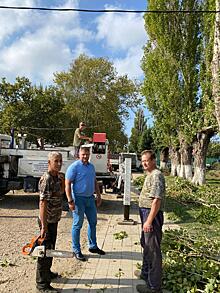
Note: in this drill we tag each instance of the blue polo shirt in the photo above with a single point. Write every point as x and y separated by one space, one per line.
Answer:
82 177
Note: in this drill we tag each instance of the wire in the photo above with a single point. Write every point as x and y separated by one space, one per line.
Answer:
59 128
107 10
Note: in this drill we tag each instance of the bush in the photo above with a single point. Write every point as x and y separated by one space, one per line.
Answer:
215 166
139 181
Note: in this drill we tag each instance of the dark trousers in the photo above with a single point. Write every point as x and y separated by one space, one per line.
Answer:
44 264
152 257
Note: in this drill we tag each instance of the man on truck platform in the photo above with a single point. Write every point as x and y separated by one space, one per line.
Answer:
78 137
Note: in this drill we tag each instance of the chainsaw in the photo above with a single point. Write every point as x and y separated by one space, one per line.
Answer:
37 248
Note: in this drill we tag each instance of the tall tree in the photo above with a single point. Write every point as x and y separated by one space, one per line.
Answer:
216 64
94 93
170 64
146 141
205 120
137 130
141 135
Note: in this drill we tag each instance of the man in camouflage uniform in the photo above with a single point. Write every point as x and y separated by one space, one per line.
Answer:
51 193
151 205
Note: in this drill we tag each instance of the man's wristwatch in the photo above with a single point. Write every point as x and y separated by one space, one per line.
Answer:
71 201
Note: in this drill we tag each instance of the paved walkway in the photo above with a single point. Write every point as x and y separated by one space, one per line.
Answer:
113 272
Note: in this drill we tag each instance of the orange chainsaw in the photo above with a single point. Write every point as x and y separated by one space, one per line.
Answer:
37 248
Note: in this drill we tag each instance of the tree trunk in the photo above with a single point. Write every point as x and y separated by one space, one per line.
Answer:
186 160
175 161
200 147
164 157
216 65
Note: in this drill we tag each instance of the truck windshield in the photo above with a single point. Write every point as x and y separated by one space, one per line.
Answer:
5 143
99 148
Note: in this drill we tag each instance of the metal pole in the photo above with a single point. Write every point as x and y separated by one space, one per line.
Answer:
127 189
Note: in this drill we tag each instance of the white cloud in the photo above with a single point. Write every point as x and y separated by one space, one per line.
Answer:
81 49
36 44
36 59
13 20
121 31
41 44
130 65
124 34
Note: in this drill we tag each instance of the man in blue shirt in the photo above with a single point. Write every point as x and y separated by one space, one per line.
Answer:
80 187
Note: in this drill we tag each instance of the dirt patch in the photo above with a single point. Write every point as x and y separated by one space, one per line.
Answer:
18 224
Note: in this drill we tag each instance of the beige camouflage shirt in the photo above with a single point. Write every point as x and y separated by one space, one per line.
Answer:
154 187
50 189
76 139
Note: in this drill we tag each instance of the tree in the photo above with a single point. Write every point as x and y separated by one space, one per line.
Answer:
172 62
136 131
146 140
216 64
200 147
206 122
141 136
94 93
35 111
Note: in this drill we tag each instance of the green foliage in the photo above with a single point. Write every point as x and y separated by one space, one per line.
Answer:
216 166
214 150
146 140
138 266
170 64
208 216
94 93
177 67
191 254
120 273
190 262
120 235
137 130
185 192
141 136
212 175
91 91
6 263
28 109
139 181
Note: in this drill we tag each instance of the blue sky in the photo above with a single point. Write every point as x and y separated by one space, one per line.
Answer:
36 44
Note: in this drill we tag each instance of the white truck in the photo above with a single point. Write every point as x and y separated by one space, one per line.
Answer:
117 159
22 168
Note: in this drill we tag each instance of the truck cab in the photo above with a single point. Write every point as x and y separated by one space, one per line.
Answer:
99 153
5 141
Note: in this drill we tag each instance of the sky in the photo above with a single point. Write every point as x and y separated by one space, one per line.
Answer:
36 44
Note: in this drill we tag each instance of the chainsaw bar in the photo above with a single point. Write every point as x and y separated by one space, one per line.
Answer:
40 251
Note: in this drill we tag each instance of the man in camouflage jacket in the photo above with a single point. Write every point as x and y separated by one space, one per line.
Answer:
51 191
151 206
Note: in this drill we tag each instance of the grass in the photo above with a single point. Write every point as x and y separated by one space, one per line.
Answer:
184 208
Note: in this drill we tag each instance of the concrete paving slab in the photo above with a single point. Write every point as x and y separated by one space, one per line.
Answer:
113 272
